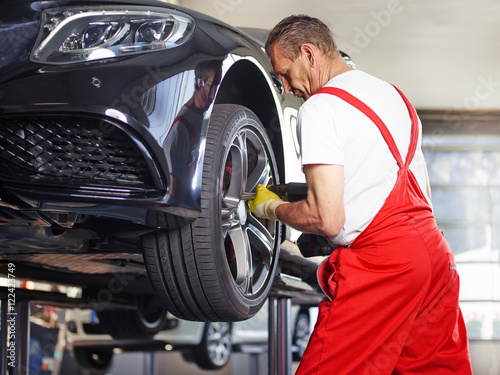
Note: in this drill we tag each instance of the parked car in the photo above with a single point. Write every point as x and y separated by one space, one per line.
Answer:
209 344
129 131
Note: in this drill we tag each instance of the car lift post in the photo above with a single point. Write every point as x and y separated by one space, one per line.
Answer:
150 363
280 340
296 280
14 360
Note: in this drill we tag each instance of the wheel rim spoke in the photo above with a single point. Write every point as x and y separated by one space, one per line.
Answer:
261 173
238 156
229 222
262 241
242 251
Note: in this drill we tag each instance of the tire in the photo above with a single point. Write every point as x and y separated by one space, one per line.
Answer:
145 322
220 267
301 335
95 361
215 348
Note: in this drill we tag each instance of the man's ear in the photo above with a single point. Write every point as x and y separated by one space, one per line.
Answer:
309 51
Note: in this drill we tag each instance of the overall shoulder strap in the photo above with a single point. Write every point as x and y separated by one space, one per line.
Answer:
414 128
355 102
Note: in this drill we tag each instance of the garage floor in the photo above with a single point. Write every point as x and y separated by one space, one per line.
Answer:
173 363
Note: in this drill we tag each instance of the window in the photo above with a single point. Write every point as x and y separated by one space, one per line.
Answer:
464 173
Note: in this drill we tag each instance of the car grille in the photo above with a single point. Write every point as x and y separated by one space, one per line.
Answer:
70 150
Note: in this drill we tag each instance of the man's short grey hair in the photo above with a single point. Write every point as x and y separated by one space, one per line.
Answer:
295 30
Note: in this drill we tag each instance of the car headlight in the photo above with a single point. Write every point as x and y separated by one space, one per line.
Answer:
72 35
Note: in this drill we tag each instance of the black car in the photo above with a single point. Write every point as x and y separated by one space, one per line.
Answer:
129 134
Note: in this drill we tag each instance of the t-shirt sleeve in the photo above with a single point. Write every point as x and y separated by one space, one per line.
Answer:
319 134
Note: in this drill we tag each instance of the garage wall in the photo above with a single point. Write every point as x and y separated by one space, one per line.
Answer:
441 54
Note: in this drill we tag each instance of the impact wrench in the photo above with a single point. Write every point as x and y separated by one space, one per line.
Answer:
292 192
309 244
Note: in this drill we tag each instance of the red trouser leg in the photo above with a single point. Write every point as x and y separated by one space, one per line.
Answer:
437 343
381 292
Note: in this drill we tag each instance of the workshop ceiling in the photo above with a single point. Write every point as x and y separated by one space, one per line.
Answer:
443 54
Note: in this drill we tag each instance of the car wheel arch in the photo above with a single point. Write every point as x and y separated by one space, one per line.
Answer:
245 84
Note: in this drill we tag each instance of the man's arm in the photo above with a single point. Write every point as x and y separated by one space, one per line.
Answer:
323 211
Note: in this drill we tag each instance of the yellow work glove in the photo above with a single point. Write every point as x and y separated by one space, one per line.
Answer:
265 202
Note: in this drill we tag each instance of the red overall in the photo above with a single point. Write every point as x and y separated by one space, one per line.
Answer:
393 305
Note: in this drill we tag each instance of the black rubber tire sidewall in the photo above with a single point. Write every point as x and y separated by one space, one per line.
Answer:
240 117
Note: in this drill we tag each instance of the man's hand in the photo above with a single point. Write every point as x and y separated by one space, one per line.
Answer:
265 202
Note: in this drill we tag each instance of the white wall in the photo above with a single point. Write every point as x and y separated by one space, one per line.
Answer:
442 54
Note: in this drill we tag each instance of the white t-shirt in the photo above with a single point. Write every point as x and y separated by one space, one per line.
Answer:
331 131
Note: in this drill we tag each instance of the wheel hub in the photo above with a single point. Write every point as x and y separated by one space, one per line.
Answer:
241 212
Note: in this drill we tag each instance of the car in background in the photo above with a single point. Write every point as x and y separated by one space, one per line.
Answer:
209 344
129 133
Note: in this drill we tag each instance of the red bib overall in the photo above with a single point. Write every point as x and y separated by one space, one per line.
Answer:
393 305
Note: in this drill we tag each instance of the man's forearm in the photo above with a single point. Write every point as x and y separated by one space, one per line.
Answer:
301 216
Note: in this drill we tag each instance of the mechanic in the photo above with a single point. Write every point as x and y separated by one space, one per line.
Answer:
392 283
